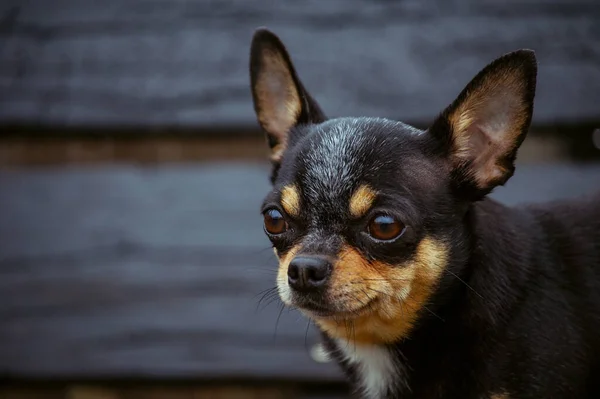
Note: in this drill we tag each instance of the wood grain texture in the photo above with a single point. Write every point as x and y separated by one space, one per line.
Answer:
174 391
148 150
125 271
116 272
184 62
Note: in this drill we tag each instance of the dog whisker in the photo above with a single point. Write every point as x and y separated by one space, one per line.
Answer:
281 308
306 336
269 295
265 291
433 313
465 283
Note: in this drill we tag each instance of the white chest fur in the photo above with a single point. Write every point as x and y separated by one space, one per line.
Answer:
375 367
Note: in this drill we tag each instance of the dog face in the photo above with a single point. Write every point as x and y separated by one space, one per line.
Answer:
366 215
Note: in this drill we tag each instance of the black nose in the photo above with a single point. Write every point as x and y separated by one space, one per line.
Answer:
308 273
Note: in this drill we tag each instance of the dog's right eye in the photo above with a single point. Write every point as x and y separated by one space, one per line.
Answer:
274 222
385 228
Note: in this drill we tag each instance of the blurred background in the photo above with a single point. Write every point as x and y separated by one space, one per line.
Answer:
132 258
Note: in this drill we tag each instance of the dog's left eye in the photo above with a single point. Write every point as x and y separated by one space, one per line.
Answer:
385 228
274 222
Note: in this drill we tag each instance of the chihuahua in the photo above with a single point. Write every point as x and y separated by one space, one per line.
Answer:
421 285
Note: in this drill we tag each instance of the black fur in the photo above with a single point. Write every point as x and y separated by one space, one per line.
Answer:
517 310
529 324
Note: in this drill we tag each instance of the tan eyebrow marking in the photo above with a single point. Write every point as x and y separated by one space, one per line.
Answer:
362 200
290 200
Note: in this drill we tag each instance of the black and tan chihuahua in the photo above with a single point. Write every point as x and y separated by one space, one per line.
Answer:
422 286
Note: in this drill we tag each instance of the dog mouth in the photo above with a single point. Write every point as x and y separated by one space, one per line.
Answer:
319 309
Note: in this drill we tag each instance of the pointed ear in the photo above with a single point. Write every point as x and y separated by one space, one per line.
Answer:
481 131
280 100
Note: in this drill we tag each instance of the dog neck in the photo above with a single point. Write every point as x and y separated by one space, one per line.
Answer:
375 370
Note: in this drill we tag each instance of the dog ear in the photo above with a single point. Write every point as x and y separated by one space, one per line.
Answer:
481 131
280 100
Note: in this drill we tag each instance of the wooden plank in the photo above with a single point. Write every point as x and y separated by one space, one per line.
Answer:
85 149
125 271
184 62
117 272
174 391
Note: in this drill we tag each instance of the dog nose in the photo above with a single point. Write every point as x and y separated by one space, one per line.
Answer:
308 273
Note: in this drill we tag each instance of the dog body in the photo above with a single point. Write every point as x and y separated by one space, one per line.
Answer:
525 324
421 285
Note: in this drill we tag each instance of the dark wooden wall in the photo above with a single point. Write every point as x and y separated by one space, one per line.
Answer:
127 272
184 62
154 272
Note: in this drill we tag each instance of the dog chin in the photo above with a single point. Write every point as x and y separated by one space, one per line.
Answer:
318 311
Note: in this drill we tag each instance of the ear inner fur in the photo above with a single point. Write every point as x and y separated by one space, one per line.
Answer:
383 301
489 120
477 132
280 100
278 103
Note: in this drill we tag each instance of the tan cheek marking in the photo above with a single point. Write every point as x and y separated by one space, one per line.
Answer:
500 396
399 292
362 200
282 279
290 200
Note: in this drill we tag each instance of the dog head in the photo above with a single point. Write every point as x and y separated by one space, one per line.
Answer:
366 214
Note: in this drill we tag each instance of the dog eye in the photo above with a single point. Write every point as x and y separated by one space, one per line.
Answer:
274 222
385 228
